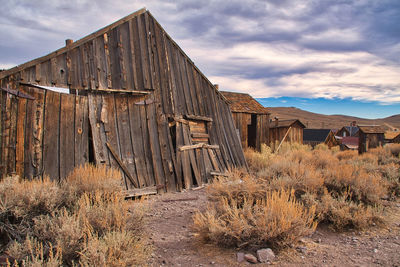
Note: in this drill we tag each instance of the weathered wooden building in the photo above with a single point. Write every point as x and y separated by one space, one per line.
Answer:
392 137
346 131
286 131
370 137
314 137
132 100
251 119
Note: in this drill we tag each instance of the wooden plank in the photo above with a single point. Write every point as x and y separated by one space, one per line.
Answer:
97 129
37 73
198 91
191 86
108 119
67 135
197 117
178 155
81 131
149 36
125 139
121 60
13 135
185 160
51 160
125 55
69 67
54 72
122 165
141 192
145 64
20 145
133 59
84 70
6 132
201 166
114 60
207 164
200 135
213 158
201 145
107 61
92 72
192 157
137 142
154 144
100 62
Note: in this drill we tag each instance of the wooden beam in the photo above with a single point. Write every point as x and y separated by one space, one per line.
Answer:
17 93
200 135
122 165
283 139
141 192
201 145
219 174
198 118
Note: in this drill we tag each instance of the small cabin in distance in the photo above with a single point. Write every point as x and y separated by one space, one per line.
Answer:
347 131
250 117
314 137
286 131
370 137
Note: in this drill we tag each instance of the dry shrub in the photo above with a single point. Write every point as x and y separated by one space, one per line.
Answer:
39 214
32 253
342 213
115 248
346 154
256 160
89 179
276 220
394 149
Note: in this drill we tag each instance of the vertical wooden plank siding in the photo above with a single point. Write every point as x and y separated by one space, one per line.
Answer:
51 159
137 142
67 135
20 136
124 135
81 131
13 135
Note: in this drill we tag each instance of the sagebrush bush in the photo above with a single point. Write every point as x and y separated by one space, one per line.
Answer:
275 219
45 223
346 190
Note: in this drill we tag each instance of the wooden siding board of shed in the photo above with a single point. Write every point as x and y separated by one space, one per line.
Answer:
67 135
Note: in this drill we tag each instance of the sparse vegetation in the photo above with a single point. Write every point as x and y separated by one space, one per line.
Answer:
300 187
83 221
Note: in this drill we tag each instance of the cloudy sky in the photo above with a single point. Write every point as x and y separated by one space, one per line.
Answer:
332 50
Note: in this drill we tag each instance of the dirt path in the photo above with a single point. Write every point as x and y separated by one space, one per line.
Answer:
175 244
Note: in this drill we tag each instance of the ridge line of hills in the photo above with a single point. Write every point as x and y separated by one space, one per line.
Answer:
316 120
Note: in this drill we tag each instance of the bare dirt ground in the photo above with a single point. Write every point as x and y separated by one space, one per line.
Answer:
175 244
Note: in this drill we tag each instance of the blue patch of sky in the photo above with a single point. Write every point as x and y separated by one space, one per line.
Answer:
346 106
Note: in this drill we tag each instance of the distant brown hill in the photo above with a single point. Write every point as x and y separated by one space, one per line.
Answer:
315 120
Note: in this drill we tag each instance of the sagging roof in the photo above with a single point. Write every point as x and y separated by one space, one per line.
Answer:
244 103
286 123
315 135
350 141
391 134
372 129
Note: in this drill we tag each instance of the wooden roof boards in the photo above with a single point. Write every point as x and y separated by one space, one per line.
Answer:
168 104
244 103
371 129
286 123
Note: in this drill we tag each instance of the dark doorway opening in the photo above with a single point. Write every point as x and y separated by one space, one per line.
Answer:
252 132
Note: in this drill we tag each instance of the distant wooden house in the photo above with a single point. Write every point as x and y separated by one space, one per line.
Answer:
125 96
370 137
251 119
348 143
346 131
286 131
314 137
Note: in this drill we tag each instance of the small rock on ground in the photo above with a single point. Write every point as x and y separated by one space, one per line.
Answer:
265 255
240 256
250 258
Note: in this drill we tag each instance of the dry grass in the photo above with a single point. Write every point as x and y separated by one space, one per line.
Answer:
49 224
338 188
276 219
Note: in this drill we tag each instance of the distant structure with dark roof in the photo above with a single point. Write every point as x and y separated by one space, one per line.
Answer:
250 117
347 131
314 137
286 131
370 136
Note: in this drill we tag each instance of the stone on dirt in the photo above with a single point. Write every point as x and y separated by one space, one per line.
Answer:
265 255
250 258
240 256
